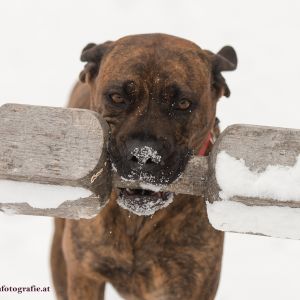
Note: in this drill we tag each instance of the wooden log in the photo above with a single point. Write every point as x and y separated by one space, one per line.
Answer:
259 147
266 166
67 147
83 208
193 181
56 146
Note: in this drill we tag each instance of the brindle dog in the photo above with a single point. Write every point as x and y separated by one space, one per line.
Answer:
156 92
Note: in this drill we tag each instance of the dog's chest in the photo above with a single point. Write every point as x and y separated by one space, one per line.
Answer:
137 254
124 252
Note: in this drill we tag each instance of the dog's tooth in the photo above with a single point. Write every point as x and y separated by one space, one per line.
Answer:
129 191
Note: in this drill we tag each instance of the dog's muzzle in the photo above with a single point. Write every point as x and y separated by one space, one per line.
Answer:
143 202
151 162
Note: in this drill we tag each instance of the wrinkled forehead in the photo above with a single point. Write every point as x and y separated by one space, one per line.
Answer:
166 65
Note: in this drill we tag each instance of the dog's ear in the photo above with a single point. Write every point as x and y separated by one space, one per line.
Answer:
92 54
224 60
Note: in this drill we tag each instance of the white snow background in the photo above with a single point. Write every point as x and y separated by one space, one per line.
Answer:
39 61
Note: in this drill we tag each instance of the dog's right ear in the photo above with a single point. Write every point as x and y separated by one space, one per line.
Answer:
224 60
92 54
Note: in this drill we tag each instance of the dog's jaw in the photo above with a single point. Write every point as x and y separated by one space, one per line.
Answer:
143 202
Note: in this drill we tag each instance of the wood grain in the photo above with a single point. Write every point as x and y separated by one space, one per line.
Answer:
64 146
192 182
259 147
59 146
83 208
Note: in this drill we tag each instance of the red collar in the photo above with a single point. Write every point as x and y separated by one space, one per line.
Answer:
206 144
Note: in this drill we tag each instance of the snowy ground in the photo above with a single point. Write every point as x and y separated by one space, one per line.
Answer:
40 46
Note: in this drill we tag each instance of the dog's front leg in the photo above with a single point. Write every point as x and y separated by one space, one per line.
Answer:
84 288
81 284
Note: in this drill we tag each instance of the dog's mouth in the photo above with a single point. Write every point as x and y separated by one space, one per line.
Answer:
143 202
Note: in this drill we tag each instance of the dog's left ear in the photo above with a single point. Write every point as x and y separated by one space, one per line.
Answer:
92 54
224 60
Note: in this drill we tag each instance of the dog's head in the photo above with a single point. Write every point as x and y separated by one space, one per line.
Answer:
158 93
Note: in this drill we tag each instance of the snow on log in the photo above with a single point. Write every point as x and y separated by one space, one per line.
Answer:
255 187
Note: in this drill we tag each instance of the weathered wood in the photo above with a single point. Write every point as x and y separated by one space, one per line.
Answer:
259 147
58 146
61 146
84 208
253 201
50 145
192 182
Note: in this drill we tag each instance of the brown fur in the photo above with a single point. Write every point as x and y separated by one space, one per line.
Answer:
174 254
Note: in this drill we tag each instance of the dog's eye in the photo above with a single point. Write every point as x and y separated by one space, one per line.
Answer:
117 98
184 104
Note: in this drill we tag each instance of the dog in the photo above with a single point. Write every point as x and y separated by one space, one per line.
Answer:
158 93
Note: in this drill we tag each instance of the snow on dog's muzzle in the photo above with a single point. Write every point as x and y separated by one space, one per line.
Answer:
143 202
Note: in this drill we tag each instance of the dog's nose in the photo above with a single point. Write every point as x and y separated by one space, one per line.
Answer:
145 155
